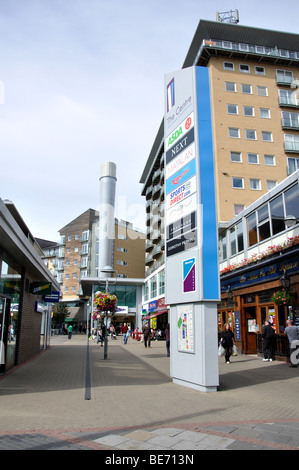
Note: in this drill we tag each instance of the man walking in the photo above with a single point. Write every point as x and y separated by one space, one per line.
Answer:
147 335
267 335
124 331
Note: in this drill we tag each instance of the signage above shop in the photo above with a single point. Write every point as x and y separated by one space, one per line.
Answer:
41 288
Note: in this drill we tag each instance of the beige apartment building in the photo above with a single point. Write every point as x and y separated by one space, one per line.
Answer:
76 256
255 121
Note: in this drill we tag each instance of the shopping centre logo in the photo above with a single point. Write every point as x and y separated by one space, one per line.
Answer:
295 354
170 95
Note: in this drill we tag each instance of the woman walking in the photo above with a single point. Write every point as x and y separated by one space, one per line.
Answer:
227 341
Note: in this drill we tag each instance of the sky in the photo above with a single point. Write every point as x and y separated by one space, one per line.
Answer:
81 84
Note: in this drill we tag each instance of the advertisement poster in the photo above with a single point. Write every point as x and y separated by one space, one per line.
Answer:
185 328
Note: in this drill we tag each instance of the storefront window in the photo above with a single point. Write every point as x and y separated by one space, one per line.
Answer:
252 229
240 237
10 284
264 223
233 241
292 201
277 215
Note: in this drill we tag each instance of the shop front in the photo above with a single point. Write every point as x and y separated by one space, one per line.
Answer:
247 301
157 315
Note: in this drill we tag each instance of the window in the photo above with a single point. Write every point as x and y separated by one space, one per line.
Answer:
74 275
292 201
85 235
240 238
290 120
236 157
284 77
262 91
250 134
222 247
252 229
69 238
291 143
248 111
228 66
277 215
232 109
269 160
246 89
234 132
233 241
238 183
153 284
161 277
84 249
238 208
287 97
121 262
264 113
260 70
230 86
293 165
271 184
267 136
253 158
244 68
255 184
263 223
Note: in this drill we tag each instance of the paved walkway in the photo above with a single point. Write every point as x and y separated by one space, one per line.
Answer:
69 397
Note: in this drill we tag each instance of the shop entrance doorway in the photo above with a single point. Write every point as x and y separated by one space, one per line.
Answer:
251 330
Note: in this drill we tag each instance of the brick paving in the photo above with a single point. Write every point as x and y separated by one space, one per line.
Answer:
132 404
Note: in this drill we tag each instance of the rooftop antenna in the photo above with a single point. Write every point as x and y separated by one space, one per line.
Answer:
231 16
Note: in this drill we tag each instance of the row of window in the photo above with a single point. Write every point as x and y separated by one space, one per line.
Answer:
262 224
252 158
155 286
246 88
250 134
249 111
282 76
245 68
254 183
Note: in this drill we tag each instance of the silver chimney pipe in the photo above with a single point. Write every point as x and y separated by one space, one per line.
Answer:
106 218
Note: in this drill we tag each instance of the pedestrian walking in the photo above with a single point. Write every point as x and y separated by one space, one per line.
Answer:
227 341
70 331
292 333
146 330
124 330
268 336
167 337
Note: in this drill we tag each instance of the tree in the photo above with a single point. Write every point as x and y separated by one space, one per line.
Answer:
60 313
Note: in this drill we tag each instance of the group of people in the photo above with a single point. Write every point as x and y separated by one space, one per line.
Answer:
147 335
227 341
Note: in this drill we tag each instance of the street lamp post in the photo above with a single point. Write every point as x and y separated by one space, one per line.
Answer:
107 270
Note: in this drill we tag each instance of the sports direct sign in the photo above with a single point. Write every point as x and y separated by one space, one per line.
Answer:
191 263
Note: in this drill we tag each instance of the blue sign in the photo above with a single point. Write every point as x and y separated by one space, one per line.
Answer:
52 298
262 274
237 326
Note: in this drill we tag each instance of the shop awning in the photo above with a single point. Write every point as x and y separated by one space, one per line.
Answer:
153 315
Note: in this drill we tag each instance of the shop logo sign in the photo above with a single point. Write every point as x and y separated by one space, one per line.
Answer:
170 95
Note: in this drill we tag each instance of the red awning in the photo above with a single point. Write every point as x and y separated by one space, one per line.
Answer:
154 315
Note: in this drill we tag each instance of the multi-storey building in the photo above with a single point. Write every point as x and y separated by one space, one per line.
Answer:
76 257
255 120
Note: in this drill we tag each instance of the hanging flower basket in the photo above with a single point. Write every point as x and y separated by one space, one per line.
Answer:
282 297
104 302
